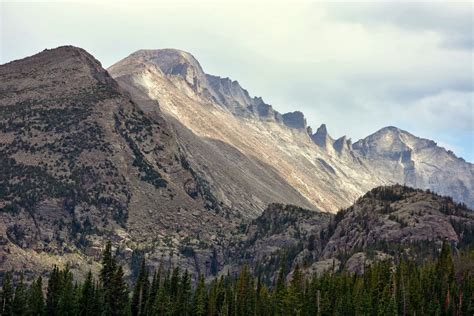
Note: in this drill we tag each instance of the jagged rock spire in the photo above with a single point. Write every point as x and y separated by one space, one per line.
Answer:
322 138
295 120
342 144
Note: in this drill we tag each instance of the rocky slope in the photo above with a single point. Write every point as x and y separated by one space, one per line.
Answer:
81 163
179 166
260 156
418 162
386 223
249 157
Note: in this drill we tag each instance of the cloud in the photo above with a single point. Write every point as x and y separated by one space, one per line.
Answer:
356 67
451 20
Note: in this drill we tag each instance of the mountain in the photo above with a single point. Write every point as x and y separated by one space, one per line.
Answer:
387 222
260 156
81 163
187 169
418 162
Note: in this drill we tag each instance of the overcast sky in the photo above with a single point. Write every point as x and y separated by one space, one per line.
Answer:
355 66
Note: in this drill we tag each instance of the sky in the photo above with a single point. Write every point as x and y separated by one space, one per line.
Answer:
355 66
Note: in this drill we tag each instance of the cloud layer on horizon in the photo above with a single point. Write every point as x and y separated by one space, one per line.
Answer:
356 67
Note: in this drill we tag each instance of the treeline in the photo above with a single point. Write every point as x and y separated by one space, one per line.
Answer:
436 288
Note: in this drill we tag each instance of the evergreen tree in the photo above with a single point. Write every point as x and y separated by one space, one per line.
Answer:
119 292
184 295
279 293
155 285
107 273
140 292
36 298
7 295
67 298
88 303
200 298
162 302
244 293
54 292
19 304
442 287
295 294
174 284
445 278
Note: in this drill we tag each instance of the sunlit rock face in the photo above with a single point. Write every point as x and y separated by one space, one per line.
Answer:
251 155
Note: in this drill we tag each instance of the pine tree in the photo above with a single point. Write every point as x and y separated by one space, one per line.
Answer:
184 295
88 298
174 284
245 293
6 307
445 278
19 304
155 285
280 293
162 302
120 304
200 298
140 292
36 298
54 292
106 275
295 294
67 303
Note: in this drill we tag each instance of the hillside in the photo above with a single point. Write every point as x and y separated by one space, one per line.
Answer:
260 156
386 223
81 163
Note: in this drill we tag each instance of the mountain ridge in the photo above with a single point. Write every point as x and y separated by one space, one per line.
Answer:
329 154
81 162
137 157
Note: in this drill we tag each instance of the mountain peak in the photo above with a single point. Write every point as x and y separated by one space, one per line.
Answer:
294 119
69 58
342 144
322 138
174 62
390 129
61 52
167 57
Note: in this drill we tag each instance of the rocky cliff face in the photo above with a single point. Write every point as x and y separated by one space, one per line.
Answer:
217 115
81 163
418 162
385 223
258 157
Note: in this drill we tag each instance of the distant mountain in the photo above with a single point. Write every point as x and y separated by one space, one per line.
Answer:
278 158
418 162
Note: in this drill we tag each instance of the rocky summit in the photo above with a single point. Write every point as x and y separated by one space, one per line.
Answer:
260 156
82 163
187 169
387 223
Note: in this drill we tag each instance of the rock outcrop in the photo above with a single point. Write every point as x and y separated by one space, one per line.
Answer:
398 219
82 163
294 120
322 138
386 223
